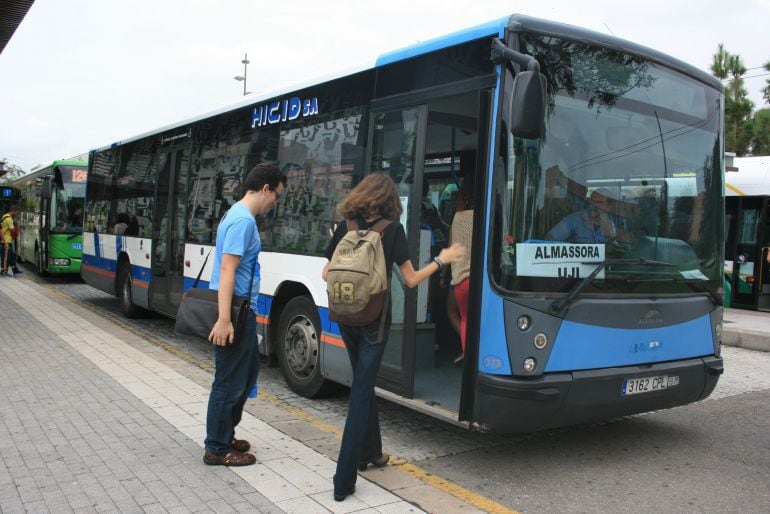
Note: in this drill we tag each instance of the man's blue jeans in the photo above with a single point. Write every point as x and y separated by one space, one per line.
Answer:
237 367
361 441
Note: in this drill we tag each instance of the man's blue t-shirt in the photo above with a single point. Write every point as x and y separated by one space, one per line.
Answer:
238 235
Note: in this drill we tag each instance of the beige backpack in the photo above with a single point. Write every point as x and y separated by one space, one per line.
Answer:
357 282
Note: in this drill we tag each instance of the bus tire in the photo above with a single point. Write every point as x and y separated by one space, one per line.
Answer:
298 345
127 306
39 261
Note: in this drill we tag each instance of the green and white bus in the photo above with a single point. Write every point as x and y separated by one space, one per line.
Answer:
51 218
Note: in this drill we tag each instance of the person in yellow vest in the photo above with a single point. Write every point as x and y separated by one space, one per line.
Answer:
8 233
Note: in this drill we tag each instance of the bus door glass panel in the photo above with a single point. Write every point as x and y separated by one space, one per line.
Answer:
731 220
398 150
167 241
763 287
746 265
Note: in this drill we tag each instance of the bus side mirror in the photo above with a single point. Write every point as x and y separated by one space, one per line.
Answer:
45 188
528 105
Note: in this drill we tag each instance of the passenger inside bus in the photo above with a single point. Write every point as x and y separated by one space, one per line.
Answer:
462 232
431 220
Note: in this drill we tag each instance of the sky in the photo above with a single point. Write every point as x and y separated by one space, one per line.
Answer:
81 74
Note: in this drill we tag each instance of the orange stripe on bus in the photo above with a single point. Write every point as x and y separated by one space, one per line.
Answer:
334 341
98 271
139 283
263 320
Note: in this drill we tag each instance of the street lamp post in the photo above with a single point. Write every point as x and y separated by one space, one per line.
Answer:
239 78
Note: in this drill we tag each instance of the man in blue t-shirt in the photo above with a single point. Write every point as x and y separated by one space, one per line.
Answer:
236 356
592 225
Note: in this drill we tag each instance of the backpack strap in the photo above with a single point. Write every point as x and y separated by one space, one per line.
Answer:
380 227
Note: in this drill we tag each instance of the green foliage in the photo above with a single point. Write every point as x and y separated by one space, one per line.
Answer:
761 132
766 89
738 107
719 66
12 173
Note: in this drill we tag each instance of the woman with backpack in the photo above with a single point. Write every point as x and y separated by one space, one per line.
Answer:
374 201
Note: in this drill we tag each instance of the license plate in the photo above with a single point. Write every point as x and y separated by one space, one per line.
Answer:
648 384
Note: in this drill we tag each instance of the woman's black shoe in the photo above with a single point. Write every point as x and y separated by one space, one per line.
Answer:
340 497
379 462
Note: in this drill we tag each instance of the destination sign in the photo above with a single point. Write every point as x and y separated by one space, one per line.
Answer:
558 260
79 175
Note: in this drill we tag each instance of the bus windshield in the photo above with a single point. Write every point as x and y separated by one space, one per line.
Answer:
628 171
67 200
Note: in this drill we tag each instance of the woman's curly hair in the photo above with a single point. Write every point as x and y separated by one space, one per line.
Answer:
375 196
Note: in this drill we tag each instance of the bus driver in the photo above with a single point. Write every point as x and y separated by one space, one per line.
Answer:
591 225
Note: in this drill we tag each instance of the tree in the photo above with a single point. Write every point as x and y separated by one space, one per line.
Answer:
719 65
738 107
12 173
760 144
766 89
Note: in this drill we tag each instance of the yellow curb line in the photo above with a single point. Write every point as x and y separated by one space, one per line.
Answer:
417 472
455 490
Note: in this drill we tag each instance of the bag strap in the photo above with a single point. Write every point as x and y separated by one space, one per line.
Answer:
251 282
253 266
198 278
379 227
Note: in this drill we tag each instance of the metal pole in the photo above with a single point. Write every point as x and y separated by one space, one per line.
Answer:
245 62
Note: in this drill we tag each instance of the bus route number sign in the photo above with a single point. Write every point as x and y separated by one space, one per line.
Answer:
79 175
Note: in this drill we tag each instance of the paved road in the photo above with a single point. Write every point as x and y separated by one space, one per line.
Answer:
708 457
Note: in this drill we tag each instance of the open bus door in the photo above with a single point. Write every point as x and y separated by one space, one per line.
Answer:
427 147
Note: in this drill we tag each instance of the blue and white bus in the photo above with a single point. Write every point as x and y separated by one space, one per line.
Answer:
541 114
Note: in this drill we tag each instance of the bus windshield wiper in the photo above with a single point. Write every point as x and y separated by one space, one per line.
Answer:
557 306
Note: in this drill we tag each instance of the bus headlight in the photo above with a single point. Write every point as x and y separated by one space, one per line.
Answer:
540 341
59 262
718 330
523 323
530 364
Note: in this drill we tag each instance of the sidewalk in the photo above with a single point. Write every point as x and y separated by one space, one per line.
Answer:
746 329
90 420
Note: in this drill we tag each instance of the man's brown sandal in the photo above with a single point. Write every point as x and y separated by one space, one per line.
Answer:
233 458
242 445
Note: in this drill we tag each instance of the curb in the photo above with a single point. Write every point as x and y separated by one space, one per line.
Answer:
747 339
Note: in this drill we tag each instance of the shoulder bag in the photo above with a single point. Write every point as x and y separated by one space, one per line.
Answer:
199 310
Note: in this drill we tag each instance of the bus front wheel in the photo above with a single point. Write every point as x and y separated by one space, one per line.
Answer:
298 346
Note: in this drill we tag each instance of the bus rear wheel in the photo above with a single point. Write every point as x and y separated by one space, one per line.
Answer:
298 346
127 306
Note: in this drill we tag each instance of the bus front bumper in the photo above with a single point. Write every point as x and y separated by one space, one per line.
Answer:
505 404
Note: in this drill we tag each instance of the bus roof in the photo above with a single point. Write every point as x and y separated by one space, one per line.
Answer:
751 179
43 169
516 22
523 23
